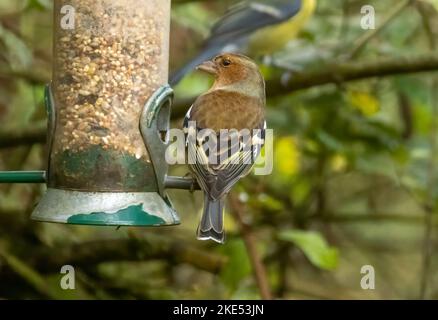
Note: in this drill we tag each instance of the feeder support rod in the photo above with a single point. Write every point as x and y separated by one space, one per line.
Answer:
40 177
22 176
181 183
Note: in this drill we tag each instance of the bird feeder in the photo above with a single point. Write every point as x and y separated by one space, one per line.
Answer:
108 108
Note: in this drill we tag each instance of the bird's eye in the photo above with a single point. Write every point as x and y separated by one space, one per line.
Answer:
226 62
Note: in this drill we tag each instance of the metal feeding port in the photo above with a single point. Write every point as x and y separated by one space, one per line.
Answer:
108 109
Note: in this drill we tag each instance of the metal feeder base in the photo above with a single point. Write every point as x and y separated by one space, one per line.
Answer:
105 208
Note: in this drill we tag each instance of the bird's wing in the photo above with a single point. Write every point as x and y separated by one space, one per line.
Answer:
239 163
220 160
232 31
247 17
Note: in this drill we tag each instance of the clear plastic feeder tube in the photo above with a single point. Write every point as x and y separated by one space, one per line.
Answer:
109 57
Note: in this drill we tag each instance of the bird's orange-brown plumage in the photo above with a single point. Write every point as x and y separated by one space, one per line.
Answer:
222 109
235 101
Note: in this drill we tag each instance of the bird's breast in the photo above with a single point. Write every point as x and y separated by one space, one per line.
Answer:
228 110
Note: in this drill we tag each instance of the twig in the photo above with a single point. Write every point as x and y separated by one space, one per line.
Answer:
349 71
30 76
24 271
30 136
282 259
332 217
344 29
427 252
431 172
335 73
150 246
427 24
362 41
406 116
260 273
186 1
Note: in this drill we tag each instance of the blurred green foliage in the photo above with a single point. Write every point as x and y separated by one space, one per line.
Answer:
354 178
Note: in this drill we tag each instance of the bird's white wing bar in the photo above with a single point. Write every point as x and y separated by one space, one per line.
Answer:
264 8
250 16
218 178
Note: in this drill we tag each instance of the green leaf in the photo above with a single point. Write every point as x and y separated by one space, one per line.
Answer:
11 7
238 266
194 16
364 101
300 190
381 164
434 3
314 246
17 52
39 4
287 156
270 202
329 141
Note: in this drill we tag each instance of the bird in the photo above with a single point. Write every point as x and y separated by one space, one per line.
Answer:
235 104
260 27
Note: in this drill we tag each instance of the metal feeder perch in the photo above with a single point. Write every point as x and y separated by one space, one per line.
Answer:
108 112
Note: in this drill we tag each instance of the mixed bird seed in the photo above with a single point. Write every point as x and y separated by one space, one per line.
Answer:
105 70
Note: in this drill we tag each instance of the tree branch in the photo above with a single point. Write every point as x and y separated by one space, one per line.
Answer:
30 76
149 246
331 74
250 242
27 273
372 218
29 136
186 1
337 73
429 204
349 71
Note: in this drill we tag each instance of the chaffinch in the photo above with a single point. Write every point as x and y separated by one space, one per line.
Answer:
225 130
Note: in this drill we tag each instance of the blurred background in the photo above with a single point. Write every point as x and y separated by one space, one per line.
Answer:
354 114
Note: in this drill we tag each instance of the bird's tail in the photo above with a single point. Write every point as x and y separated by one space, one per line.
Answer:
211 226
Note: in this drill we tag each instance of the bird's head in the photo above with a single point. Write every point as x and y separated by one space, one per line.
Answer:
235 70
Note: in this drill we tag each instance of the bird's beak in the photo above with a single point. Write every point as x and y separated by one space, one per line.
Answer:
208 66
